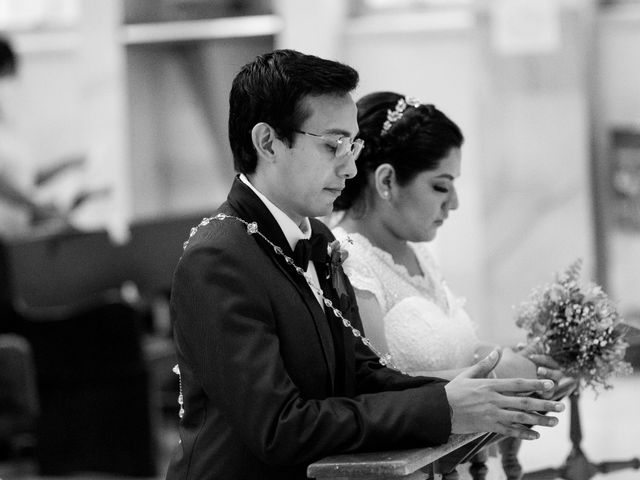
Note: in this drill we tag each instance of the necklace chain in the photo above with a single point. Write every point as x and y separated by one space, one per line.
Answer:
176 370
252 229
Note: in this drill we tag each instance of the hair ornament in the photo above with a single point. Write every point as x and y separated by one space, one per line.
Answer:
396 114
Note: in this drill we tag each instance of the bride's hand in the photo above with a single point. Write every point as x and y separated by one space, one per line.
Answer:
547 367
512 365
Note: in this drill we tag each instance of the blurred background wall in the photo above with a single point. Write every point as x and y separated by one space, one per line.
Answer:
546 93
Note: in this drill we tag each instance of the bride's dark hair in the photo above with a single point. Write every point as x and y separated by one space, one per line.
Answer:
415 142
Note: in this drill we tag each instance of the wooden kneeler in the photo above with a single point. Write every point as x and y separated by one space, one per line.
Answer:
427 463
414 464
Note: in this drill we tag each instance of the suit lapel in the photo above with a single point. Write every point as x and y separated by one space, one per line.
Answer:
246 205
341 335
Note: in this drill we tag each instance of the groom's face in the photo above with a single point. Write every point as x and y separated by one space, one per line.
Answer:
311 174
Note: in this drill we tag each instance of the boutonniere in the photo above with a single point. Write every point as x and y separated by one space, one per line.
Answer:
337 256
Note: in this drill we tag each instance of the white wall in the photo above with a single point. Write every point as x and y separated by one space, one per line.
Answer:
525 193
618 89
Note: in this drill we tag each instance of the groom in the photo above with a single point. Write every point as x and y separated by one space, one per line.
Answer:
271 378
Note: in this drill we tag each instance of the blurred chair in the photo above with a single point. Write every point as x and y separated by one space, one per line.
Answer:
101 381
94 388
19 406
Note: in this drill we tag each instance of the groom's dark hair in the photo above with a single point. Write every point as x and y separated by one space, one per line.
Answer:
270 89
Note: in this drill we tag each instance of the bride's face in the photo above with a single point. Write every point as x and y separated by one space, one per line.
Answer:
423 205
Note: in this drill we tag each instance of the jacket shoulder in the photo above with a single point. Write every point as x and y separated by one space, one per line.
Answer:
218 233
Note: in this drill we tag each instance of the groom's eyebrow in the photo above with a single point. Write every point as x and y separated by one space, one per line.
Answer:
339 131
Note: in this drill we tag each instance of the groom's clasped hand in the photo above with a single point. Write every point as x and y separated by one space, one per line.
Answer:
497 404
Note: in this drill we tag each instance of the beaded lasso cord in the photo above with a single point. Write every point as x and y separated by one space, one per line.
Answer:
252 229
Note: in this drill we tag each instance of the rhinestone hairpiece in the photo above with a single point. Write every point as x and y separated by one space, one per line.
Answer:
396 114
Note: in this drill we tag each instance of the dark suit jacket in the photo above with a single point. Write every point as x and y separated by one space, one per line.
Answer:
262 394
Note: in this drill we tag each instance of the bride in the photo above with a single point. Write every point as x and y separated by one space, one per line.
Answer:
403 193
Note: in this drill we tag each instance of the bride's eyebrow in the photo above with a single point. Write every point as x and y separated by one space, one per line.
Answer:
445 176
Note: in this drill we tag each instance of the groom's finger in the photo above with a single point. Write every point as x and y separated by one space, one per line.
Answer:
516 386
520 431
529 404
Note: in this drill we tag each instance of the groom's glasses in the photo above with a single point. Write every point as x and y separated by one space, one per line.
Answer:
342 146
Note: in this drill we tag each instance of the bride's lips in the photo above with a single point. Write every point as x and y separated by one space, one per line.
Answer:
335 191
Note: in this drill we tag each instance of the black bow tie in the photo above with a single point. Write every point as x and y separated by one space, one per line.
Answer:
314 249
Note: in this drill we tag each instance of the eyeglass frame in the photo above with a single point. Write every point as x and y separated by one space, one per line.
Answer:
357 142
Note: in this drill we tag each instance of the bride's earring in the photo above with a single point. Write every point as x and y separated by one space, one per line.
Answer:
383 181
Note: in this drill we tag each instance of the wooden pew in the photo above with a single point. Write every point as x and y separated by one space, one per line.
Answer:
49 275
413 464
426 463
60 268
154 248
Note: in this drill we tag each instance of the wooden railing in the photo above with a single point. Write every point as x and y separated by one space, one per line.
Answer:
414 464
428 463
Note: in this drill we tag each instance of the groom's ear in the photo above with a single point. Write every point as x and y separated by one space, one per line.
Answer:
263 137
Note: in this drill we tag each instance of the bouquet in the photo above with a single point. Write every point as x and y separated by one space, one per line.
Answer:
578 326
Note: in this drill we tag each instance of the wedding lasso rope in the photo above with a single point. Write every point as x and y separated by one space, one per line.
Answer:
252 229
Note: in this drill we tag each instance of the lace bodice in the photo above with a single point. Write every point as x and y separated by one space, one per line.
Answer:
425 326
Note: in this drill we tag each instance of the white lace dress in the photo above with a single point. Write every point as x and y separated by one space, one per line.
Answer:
425 326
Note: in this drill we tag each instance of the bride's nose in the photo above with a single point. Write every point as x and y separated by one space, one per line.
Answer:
452 201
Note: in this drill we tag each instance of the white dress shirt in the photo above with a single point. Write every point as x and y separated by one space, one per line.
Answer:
292 232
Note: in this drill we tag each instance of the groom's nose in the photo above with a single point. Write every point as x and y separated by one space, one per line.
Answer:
347 167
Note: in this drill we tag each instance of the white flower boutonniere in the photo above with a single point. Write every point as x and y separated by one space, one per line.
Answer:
337 256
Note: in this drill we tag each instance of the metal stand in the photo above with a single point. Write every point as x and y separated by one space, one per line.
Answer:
577 466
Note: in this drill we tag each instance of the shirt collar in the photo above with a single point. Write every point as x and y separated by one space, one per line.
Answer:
292 232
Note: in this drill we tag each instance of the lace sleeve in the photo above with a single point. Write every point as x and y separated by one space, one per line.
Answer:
363 277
